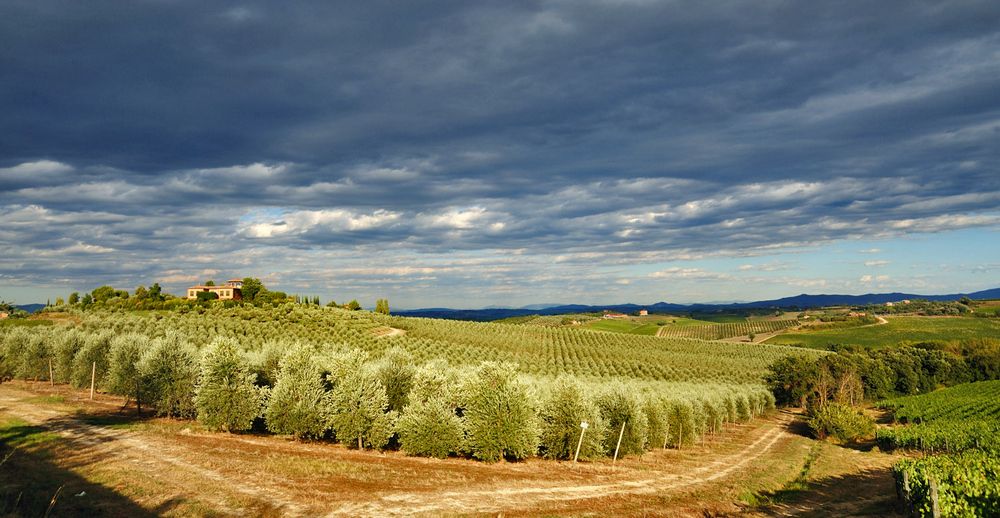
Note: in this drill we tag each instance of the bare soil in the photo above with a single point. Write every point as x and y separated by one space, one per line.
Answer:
127 466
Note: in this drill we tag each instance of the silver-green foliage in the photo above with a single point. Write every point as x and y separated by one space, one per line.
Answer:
92 359
124 377
499 413
358 405
562 414
24 355
225 396
296 404
621 409
429 425
64 347
396 370
170 367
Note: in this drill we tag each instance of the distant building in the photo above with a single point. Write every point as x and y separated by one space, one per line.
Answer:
643 312
231 291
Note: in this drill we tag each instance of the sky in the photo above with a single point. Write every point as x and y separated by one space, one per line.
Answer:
472 154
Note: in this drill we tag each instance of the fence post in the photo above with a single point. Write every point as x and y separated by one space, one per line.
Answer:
583 428
93 376
51 383
620 434
935 509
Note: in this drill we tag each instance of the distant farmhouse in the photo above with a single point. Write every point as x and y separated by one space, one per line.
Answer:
231 291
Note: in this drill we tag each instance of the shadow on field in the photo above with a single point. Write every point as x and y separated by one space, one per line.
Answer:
869 493
30 481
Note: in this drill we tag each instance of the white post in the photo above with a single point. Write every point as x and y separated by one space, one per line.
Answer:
620 434
93 375
51 383
583 428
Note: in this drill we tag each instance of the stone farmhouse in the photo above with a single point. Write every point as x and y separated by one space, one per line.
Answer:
231 291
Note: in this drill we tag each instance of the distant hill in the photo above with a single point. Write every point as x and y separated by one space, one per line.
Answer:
797 302
30 308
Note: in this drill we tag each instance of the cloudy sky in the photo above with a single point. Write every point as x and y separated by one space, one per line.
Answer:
466 154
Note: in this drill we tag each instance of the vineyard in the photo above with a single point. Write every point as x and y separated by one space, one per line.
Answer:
371 380
897 330
728 330
958 429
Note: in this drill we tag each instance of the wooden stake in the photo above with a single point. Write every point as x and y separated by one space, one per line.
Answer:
935 508
93 376
51 383
620 434
583 428
666 436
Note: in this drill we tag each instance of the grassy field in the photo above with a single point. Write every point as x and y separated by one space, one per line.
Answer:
623 326
898 329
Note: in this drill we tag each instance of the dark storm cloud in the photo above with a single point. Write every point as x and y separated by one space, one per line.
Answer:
165 133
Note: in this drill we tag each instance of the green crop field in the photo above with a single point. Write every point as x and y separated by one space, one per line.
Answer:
623 326
723 331
898 329
958 431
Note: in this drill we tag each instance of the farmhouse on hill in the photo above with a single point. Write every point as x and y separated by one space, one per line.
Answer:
231 291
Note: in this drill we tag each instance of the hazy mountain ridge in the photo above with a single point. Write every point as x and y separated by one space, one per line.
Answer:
798 301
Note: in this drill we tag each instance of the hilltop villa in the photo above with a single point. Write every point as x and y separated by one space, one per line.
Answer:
231 291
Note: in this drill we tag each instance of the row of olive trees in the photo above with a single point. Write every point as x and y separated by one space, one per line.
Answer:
434 410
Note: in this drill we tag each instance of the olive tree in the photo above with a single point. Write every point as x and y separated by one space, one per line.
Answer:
622 410
225 396
499 413
296 403
562 413
170 367
429 425
357 406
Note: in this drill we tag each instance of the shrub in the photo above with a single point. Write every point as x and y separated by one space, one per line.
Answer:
396 370
683 423
656 418
620 406
25 354
840 421
124 377
296 404
561 414
265 362
170 367
225 396
499 413
429 424
357 405
64 347
94 351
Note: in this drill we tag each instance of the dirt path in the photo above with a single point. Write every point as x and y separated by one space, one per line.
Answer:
527 497
165 461
142 452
